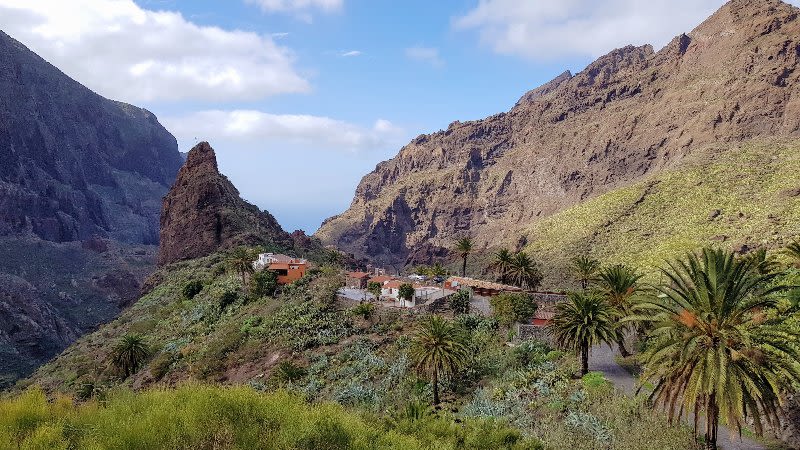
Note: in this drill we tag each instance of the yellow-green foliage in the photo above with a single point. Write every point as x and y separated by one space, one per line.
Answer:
205 417
670 213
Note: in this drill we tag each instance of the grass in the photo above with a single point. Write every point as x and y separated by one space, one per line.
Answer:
207 417
673 212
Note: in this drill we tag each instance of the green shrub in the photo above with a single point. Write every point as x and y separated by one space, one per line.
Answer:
227 298
364 310
459 302
264 283
191 289
509 308
197 416
289 372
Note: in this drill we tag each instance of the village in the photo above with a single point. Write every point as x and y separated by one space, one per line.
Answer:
416 292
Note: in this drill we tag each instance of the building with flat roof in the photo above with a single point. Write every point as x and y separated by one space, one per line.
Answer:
288 268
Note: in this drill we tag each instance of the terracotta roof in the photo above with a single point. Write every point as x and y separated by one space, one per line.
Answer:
392 284
481 284
358 275
382 279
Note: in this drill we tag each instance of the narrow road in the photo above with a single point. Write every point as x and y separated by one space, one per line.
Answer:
602 359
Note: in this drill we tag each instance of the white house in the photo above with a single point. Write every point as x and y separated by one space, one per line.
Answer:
391 291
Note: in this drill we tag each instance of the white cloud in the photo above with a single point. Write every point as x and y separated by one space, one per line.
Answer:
133 54
260 130
428 55
300 8
547 29
351 53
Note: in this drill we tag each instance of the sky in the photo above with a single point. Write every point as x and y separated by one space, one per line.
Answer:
302 98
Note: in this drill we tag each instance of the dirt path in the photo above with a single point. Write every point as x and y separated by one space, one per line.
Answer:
602 360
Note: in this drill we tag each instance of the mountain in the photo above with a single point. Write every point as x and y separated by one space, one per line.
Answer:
81 182
203 213
630 115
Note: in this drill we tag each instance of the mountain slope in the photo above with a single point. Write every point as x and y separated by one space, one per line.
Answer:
631 113
743 196
81 181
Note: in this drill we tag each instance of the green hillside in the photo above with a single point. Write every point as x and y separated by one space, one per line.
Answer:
741 197
317 349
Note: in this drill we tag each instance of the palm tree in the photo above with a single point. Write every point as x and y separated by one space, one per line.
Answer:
524 271
438 350
585 268
241 260
713 351
503 262
464 248
581 322
129 354
437 270
619 284
793 251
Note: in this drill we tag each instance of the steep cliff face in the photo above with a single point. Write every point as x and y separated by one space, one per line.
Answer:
81 182
203 213
630 113
74 163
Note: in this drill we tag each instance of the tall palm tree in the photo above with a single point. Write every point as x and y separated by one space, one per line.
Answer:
503 261
524 271
713 351
793 251
619 284
581 322
241 260
129 354
464 248
585 269
438 350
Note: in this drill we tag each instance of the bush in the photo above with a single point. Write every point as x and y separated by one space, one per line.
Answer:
227 298
191 289
196 416
263 284
364 310
289 372
509 308
459 302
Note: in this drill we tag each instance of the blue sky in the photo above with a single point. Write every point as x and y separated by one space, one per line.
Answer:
301 98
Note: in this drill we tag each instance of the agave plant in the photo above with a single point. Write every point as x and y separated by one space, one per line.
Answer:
712 351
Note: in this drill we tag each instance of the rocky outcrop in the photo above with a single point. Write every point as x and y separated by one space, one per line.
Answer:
631 113
204 213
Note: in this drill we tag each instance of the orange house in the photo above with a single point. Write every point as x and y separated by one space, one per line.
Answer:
289 269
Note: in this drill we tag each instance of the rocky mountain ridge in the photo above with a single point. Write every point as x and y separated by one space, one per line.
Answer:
631 113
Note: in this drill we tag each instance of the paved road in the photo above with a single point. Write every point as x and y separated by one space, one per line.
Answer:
602 359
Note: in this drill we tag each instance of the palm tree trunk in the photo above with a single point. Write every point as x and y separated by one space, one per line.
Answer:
435 383
464 267
712 415
622 350
584 358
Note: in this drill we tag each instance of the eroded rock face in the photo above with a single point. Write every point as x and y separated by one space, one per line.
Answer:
203 213
75 164
81 182
630 113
